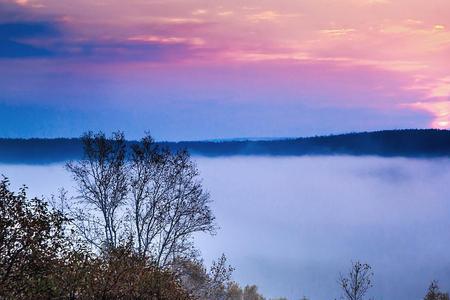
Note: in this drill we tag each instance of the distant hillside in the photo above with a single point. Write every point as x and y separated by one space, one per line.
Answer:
407 143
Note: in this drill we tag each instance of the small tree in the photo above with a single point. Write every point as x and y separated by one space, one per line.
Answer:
251 293
357 282
203 284
234 292
434 293
220 277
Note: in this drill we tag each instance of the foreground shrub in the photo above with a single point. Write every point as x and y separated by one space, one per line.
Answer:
31 241
40 260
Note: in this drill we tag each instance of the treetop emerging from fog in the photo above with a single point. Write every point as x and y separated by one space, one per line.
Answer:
144 193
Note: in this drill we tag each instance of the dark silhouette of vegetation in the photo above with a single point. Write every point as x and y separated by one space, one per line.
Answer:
407 143
39 259
204 284
249 292
434 293
31 239
357 282
154 199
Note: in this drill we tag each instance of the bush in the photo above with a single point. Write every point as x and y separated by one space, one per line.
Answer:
40 260
434 293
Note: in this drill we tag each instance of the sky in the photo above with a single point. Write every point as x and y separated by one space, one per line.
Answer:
201 69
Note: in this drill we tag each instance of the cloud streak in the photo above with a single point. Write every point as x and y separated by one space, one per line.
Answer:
16 38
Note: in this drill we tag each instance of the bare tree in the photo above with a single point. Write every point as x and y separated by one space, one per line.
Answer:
102 183
220 278
357 282
157 191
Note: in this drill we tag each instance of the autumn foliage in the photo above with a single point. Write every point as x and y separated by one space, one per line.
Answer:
40 259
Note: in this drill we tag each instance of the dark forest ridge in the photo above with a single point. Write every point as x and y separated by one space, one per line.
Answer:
406 143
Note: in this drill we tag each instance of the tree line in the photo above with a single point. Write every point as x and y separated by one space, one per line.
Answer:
406 143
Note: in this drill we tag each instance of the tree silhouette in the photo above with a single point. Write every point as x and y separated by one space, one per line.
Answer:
149 195
434 293
357 282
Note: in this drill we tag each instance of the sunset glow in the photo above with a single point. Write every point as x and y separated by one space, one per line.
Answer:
440 111
328 59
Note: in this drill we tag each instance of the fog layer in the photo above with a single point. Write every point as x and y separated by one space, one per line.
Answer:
290 225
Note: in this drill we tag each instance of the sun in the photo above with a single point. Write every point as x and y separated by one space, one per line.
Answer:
443 124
